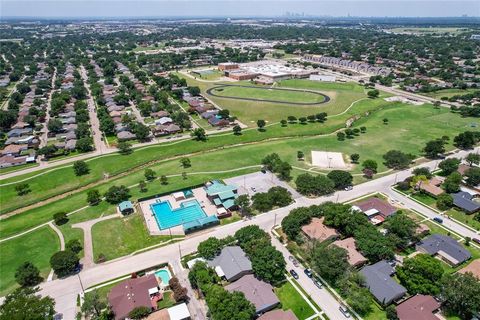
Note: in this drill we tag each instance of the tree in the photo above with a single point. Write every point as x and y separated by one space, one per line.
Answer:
246 235
396 159
261 124
268 263
292 223
47 151
142 186
180 293
373 93
164 180
92 304
314 185
60 218
194 91
461 294
93 197
117 194
84 144
321 117
473 176
452 183
54 125
202 277
340 178
22 189
210 248
300 155
141 131
124 148
139 312
422 171
64 263
262 202
25 303
27 275
292 119
400 229
434 147
302 120
74 245
149 174
473 158
354 157
283 122
373 244
385 121
466 140
185 162
81 168
363 129
391 312
243 204
225 305
283 170
237 130
421 274
199 134
370 164
444 201
271 161
449 165
340 136
330 262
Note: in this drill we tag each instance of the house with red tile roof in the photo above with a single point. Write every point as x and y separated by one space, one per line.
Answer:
419 307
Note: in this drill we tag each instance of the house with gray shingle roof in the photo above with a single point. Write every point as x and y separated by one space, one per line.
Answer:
232 263
464 201
378 279
445 247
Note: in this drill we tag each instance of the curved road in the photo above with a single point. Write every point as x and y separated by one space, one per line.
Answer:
325 97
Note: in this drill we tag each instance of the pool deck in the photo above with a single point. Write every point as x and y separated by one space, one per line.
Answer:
199 194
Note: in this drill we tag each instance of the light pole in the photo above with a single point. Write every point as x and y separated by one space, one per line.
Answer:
81 284
275 220
180 251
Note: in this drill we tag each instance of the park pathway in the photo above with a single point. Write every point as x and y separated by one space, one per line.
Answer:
86 226
52 225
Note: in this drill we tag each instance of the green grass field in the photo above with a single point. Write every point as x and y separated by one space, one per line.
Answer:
36 247
449 93
121 236
291 299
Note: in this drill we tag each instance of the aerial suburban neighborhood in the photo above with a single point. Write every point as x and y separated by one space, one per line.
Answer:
176 160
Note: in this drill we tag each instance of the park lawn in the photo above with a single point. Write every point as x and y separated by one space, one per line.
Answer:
291 299
121 236
468 219
37 247
18 168
411 139
449 93
295 96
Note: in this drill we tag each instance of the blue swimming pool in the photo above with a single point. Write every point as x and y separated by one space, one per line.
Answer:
167 217
163 275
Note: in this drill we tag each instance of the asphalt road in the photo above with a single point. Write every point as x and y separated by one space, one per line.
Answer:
64 291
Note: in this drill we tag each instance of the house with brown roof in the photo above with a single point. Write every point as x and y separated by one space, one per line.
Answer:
473 268
355 258
316 230
463 168
377 210
259 293
13 149
278 314
432 186
419 307
134 293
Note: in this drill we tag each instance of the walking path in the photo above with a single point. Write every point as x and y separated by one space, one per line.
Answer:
52 225
86 226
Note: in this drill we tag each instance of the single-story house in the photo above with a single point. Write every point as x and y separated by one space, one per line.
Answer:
14 149
232 263
10 161
355 258
161 130
445 247
133 293
463 168
419 307
378 279
19 132
473 267
126 135
218 122
316 230
125 207
278 314
464 201
375 209
163 121
159 114
71 144
259 293
432 186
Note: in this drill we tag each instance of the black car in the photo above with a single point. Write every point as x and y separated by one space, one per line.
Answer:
294 274
308 272
476 240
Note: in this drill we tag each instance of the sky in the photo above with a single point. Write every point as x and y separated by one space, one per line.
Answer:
237 8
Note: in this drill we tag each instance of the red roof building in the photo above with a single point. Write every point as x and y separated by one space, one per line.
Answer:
418 307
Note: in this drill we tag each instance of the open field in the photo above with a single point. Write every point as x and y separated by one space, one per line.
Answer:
268 94
406 131
449 93
36 247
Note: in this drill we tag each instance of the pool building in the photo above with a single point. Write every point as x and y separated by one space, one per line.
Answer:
186 211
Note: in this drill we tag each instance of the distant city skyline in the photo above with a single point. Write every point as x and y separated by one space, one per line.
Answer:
239 8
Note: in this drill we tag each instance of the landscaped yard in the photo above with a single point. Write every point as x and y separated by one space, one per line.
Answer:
468 219
36 247
121 236
167 300
291 299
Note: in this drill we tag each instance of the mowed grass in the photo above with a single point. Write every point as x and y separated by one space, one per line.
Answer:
36 247
449 93
121 236
292 300
263 93
407 131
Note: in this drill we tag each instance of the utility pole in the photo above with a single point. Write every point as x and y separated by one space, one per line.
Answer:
81 284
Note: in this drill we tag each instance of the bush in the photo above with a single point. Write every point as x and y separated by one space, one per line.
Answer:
74 245
139 312
60 218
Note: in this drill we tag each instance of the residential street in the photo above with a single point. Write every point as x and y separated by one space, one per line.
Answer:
65 291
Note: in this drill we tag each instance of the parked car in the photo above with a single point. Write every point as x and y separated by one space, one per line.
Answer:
308 272
294 274
317 283
438 219
343 309
476 240
348 188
